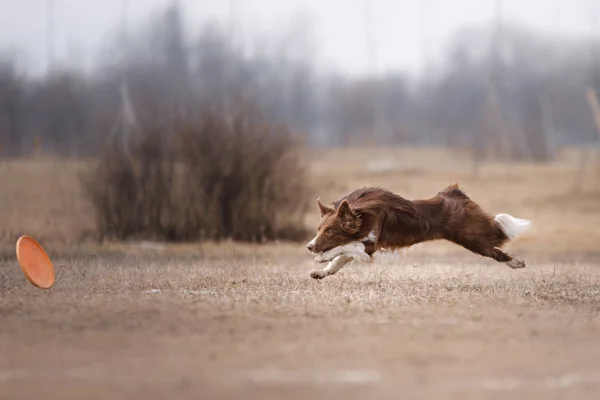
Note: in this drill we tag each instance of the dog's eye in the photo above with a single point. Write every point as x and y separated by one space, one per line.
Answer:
328 232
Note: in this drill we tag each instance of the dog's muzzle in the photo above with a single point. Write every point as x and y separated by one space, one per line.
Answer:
312 245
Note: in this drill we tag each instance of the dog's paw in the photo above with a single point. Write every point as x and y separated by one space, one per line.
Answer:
318 274
323 258
329 255
515 263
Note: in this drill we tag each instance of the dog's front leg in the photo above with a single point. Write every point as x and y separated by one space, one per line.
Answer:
355 250
334 266
371 241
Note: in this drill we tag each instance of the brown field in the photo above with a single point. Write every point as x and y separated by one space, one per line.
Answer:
149 321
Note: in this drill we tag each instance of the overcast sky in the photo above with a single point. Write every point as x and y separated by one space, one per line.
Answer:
82 26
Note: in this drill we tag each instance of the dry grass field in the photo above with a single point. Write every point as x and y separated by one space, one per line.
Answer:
229 321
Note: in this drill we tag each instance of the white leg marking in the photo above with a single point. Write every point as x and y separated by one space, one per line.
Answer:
331 254
515 263
371 237
334 266
512 226
354 249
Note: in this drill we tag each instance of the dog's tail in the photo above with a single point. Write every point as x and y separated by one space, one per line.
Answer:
512 226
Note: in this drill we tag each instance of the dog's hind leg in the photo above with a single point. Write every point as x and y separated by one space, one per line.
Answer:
485 235
334 266
512 227
498 255
509 260
516 263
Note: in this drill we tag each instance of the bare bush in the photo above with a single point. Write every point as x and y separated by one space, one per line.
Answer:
213 176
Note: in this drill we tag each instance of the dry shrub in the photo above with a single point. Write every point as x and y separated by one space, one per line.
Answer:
207 177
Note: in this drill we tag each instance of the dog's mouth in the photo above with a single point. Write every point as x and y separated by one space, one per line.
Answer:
328 248
324 250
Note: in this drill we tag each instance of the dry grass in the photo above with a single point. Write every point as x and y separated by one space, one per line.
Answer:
43 197
146 321
248 326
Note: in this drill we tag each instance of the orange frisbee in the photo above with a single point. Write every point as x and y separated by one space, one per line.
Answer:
35 263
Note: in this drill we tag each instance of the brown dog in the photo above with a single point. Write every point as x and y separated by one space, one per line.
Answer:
368 219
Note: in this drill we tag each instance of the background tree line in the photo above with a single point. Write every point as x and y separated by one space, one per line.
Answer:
540 84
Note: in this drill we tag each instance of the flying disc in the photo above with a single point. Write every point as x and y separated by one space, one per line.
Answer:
35 263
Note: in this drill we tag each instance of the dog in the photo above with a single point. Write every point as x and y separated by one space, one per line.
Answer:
370 218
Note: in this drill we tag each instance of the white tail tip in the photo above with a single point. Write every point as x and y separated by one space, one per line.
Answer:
512 226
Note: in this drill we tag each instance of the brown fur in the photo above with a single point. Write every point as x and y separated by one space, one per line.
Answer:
397 222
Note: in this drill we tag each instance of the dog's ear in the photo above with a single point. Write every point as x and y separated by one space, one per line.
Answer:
349 220
323 208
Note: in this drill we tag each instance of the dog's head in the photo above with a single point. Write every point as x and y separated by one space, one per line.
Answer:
336 228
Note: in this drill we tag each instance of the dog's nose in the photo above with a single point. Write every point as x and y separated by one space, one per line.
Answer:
310 246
